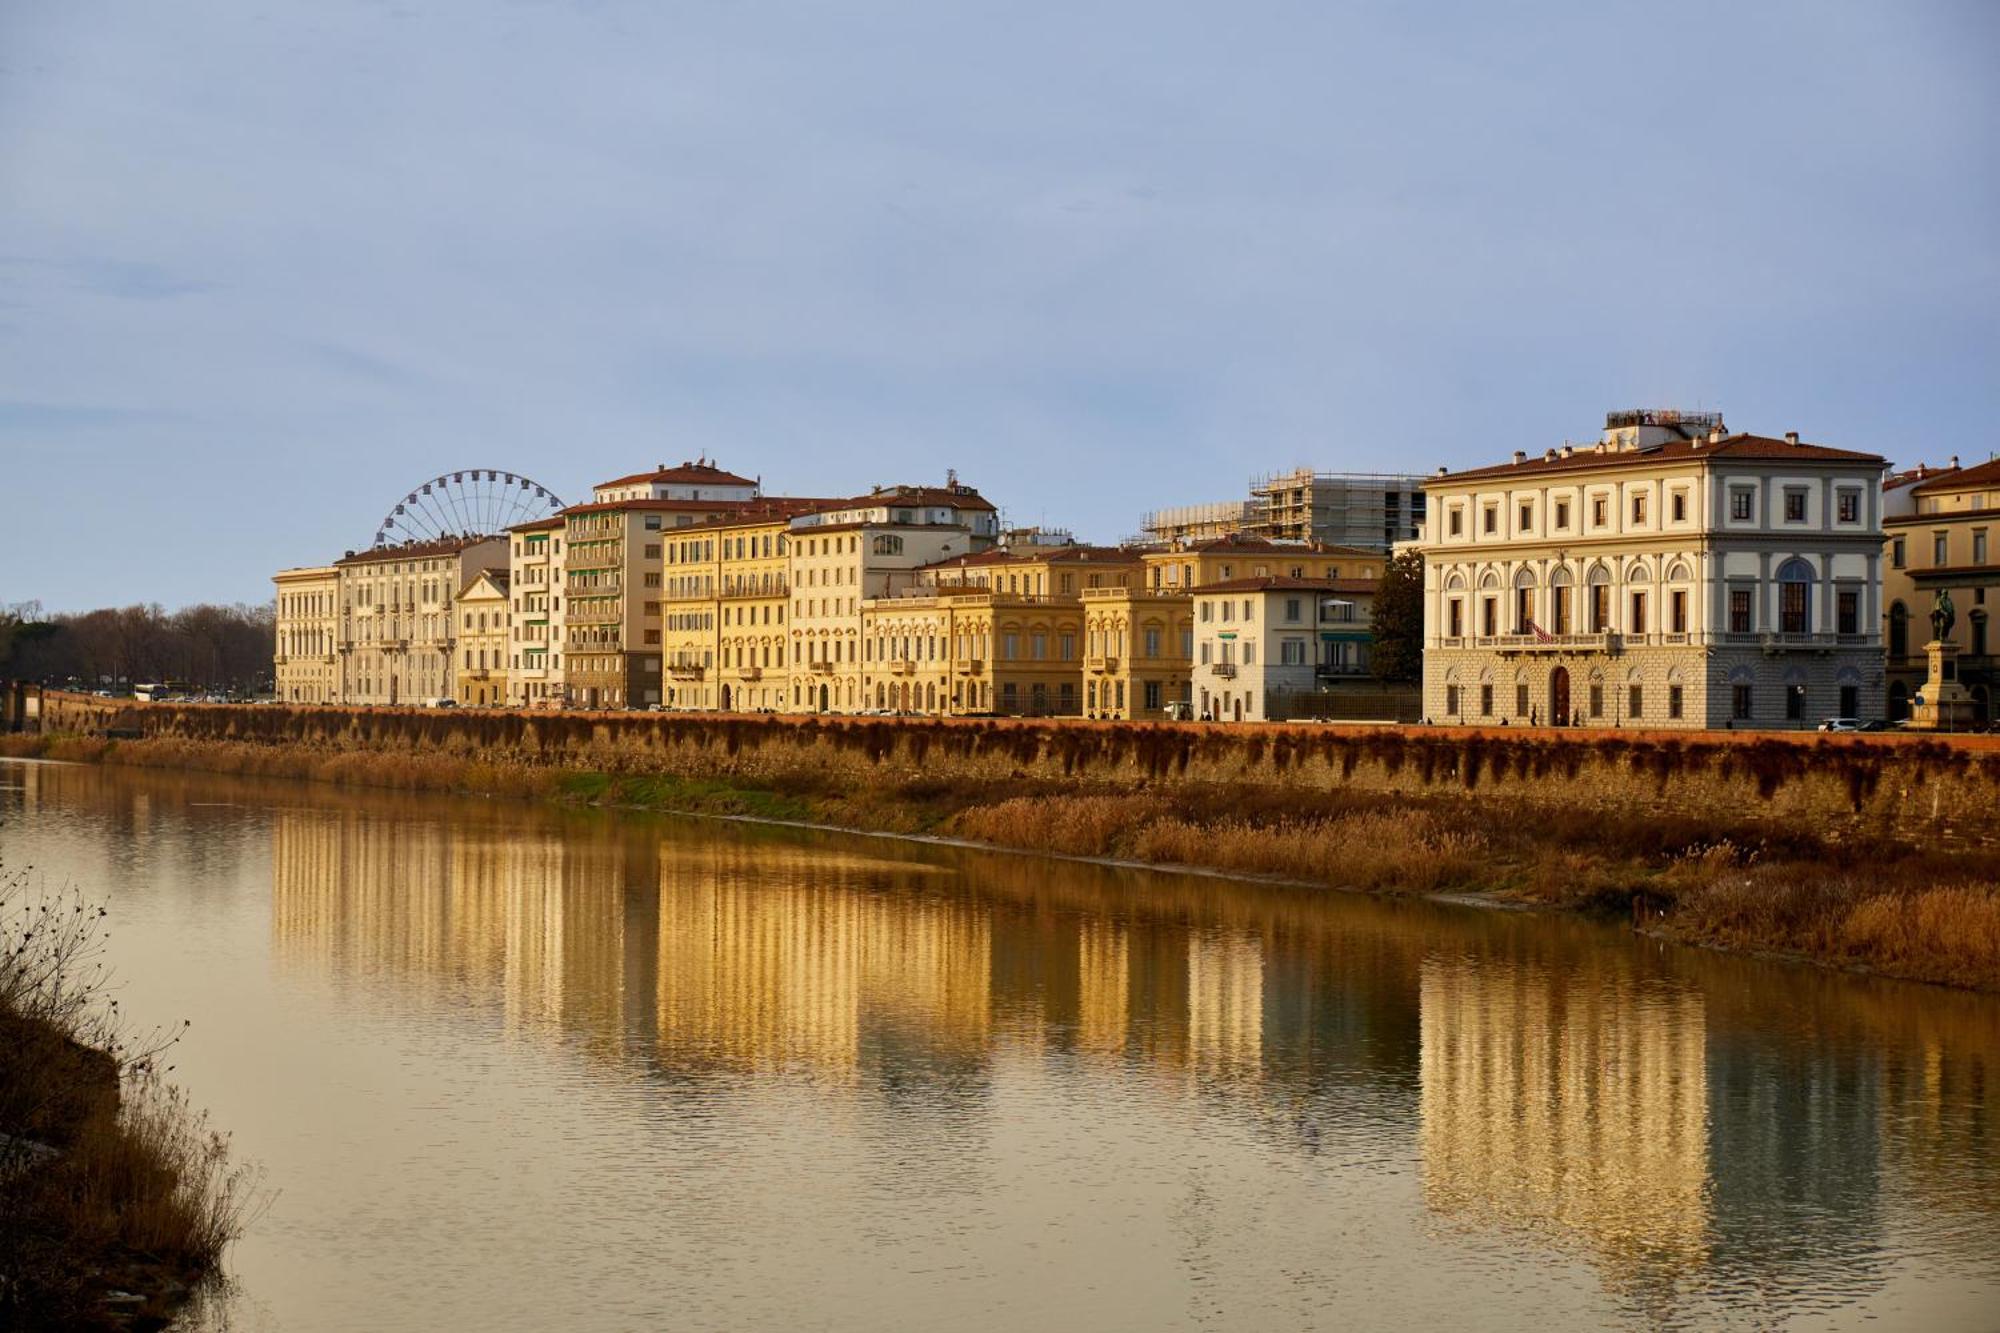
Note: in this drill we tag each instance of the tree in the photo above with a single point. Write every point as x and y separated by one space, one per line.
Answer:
1398 654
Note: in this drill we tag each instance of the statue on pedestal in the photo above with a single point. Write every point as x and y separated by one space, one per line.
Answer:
1943 615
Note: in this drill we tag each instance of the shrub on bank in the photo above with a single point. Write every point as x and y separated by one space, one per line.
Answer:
108 1178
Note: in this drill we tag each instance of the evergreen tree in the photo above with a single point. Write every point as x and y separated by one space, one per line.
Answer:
1398 654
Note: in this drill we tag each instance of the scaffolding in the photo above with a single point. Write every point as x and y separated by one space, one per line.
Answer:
1374 510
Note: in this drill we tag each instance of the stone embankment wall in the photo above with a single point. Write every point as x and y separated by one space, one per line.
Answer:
1834 785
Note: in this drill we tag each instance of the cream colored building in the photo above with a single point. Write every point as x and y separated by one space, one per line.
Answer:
853 550
397 628
307 664
697 482
1262 643
535 625
1670 575
483 642
1941 528
1184 565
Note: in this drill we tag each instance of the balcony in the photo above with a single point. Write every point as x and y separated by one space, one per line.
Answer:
1102 665
972 666
750 673
1604 641
822 665
1224 670
686 670
782 588
905 667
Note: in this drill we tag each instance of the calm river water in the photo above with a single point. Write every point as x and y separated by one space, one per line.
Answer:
508 1067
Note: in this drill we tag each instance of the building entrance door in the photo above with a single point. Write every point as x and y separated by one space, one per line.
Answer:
725 698
1559 697
822 698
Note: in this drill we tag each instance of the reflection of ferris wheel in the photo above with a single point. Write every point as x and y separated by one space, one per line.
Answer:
479 502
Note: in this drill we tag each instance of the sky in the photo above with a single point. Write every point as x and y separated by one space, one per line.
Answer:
264 268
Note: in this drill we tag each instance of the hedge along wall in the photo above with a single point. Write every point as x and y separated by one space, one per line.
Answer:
1862 785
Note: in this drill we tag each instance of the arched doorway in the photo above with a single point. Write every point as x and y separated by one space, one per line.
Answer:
725 698
1236 709
1559 697
822 699
1899 701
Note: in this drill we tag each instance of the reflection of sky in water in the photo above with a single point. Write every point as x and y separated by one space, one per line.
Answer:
513 1067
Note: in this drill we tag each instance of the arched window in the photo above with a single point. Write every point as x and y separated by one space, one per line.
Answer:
1599 583
888 544
1899 630
1795 579
1524 601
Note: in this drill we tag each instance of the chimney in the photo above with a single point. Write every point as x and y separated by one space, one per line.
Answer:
1520 457
1568 449
1791 437
1441 471
1715 435
1954 462
1549 456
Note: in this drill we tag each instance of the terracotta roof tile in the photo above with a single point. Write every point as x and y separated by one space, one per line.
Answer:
686 474
412 550
1743 447
1979 474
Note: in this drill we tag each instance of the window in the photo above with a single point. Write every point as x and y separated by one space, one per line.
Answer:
1152 642
1795 703
1978 626
1742 499
1739 702
1896 553
1795 504
1527 517
1940 549
1250 653
1455 611
1674 701
1521 699
888 543
1455 518
1489 616
1635 702
1597 698
1678 611
1637 622
1153 694
1899 630
1739 610
1600 607
1451 701
1848 611
1292 609
1680 509
1850 700
1850 506
1524 610
1486 701
1597 512
1979 546
1490 520
1562 514
1292 652
1638 506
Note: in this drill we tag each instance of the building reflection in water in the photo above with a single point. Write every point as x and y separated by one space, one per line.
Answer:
1574 1105
1653 1111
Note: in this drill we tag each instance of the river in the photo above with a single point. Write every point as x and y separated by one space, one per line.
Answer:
506 1066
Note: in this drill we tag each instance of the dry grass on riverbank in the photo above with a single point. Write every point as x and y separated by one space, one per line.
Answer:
109 1181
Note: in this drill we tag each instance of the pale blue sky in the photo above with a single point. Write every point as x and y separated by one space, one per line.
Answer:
264 267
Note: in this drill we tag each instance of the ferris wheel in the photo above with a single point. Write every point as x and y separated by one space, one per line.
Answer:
477 502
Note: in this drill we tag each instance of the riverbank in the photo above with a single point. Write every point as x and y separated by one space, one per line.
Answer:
116 1202
1866 856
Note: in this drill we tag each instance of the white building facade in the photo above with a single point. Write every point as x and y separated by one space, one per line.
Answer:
1257 639
1669 576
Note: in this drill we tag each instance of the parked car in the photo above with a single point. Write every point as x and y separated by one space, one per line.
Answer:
1840 724
441 703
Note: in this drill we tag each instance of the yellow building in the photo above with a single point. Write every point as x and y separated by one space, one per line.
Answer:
997 631
307 667
726 594
1138 646
1179 566
482 611
1938 527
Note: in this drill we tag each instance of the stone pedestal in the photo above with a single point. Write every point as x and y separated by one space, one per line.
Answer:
1942 704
